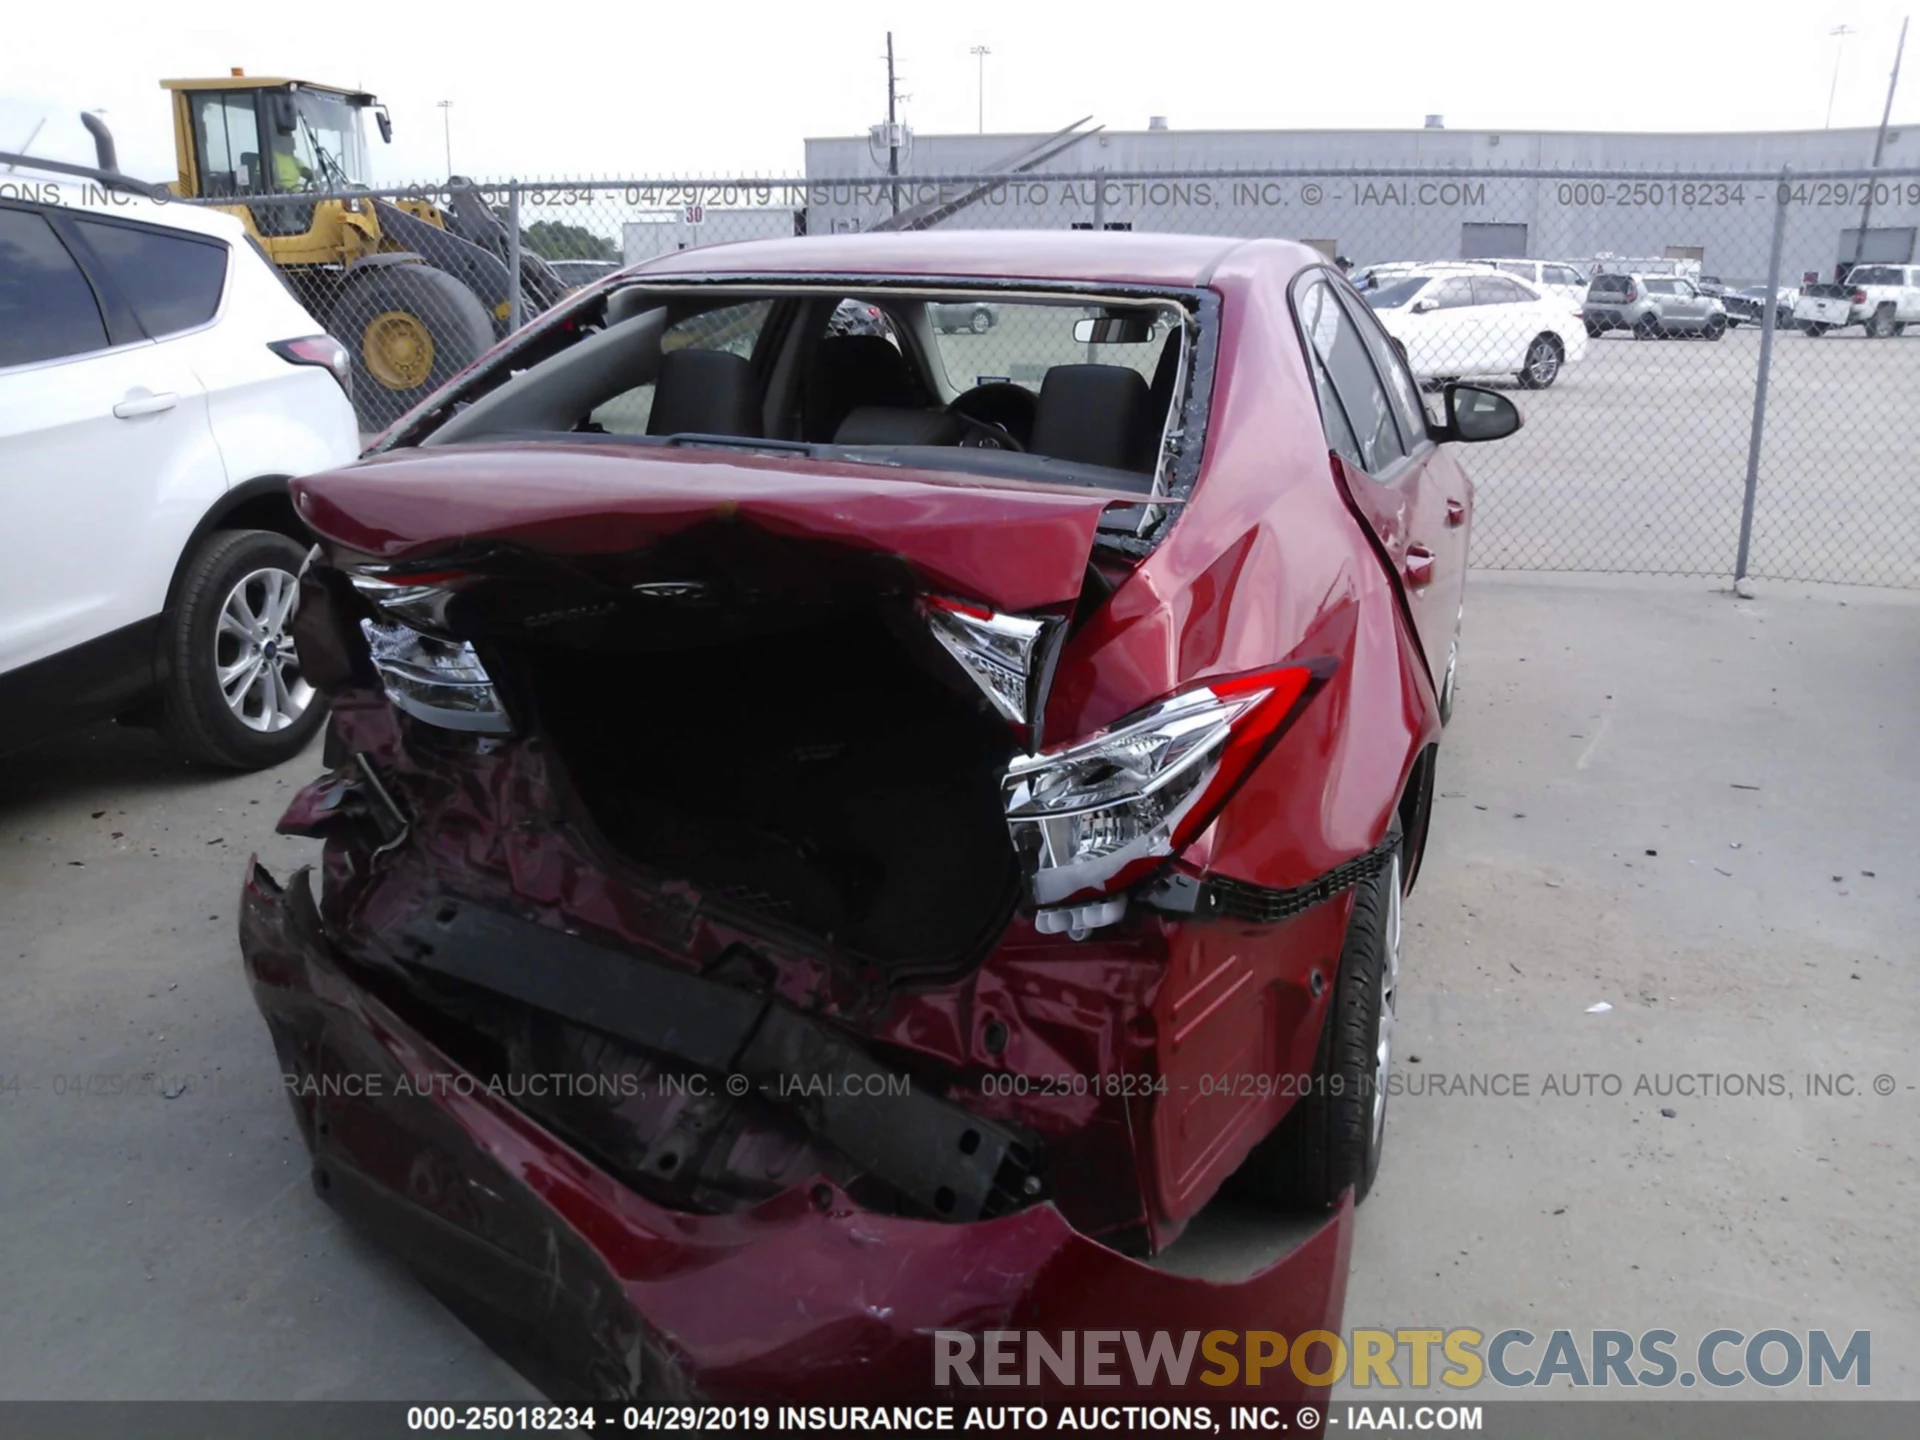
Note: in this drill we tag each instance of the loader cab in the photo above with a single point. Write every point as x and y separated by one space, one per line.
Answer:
236 137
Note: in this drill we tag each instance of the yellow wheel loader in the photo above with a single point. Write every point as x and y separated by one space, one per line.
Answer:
414 289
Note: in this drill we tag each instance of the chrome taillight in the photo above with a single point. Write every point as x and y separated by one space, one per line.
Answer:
1007 656
427 673
1092 817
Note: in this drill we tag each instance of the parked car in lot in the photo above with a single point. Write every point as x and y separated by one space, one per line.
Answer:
158 386
1480 322
1653 307
975 315
1824 306
1558 279
1747 306
1883 299
577 273
968 777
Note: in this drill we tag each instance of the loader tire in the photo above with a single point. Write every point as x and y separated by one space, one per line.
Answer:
409 329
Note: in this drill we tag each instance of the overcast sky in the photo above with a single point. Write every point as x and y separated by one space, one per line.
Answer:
587 87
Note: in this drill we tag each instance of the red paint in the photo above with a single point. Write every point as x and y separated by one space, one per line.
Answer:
1281 557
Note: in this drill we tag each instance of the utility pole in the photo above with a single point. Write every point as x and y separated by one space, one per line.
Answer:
1839 33
1880 143
893 129
446 128
981 52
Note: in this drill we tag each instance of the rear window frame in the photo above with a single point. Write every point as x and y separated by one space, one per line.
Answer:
1201 306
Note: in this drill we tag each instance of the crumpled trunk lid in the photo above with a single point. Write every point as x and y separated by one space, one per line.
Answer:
1019 546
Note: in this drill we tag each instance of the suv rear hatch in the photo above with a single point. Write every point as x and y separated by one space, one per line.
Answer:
793 686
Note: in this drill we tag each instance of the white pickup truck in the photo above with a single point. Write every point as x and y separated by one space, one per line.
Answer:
1882 299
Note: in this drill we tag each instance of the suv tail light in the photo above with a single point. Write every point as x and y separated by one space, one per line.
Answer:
1633 291
1092 817
322 350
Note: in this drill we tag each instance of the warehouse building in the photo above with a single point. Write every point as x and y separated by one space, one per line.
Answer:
1430 193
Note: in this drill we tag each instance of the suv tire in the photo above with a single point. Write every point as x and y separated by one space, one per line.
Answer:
1648 327
233 694
1331 1142
1880 325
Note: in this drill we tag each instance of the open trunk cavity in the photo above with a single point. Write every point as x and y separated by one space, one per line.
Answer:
801 762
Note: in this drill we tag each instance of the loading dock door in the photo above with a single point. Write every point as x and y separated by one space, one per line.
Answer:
1887 244
1493 242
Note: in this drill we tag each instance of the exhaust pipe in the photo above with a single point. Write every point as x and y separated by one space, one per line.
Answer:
102 141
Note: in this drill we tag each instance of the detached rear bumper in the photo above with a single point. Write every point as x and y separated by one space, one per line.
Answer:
599 1294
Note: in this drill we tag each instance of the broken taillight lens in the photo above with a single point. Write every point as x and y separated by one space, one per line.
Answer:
426 672
1092 817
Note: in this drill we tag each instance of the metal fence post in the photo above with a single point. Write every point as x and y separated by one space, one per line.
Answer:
1769 323
513 254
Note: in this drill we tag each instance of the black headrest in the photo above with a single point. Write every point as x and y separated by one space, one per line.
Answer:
1090 414
704 392
853 370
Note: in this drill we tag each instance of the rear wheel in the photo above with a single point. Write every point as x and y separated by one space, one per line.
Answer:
1716 328
1594 332
410 329
980 323
1648 327
1542 364
1815 328
1880 325
1332 1138
235 695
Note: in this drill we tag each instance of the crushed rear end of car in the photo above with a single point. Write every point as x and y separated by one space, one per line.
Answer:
720 982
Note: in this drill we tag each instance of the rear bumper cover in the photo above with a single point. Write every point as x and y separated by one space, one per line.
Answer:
597 1293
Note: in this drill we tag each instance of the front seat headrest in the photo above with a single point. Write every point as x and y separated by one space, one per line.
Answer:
849 371
704 392
1090 414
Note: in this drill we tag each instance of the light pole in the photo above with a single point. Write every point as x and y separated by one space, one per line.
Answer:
981 52
1839 33
446 130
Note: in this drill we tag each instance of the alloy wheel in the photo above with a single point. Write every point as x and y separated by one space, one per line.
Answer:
255 662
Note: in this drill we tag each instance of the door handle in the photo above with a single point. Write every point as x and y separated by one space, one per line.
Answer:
1456 513
147 404
1418 566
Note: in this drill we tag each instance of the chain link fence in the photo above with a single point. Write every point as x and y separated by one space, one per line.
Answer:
1720 373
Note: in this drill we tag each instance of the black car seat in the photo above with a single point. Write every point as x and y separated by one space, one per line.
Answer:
705 392
851 371
1091 415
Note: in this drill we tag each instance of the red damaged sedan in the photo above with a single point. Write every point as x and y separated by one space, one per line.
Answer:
835 840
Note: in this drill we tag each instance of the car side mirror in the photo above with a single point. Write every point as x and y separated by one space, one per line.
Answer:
1474 414
1421 307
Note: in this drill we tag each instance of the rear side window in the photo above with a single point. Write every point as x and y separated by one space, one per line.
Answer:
1496 290
1660 287
1334 338
172 281
1563 275
1451 294
1611 285
47 308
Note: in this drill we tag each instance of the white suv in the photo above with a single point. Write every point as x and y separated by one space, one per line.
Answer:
159 385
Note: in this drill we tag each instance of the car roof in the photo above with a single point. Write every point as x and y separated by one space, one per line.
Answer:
1039 255
148 203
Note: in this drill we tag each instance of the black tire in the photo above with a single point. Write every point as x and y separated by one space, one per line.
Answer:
1880 325
195 716
1716 329
1594 332
1648 327
980 322
1329 1143
1541 365
383 315
1815 329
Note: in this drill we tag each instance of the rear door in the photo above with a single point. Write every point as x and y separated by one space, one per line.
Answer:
1412 495
104 447
1507 323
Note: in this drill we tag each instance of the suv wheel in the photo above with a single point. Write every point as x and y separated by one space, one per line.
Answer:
1648 327
234 695
1880 324
1330 1141
980 322
1716 328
